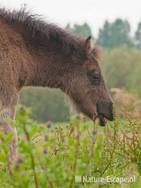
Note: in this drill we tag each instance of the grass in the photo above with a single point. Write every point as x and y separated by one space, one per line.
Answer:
53 154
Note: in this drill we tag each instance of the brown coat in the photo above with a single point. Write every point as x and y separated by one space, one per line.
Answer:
36 53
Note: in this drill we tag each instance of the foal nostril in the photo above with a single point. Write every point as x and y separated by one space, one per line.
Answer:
105 108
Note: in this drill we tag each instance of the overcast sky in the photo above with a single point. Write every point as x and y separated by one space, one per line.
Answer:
95 12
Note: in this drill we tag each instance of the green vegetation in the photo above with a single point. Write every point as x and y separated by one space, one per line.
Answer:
47 104
122 68
51 155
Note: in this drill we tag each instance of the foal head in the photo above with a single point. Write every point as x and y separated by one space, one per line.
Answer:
84 83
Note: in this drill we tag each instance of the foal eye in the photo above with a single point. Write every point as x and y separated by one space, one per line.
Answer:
94 77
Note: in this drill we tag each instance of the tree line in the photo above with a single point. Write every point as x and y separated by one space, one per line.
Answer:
112 34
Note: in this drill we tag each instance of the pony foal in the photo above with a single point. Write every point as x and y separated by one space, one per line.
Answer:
36 53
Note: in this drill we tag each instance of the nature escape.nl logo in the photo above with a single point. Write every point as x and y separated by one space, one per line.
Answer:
103 180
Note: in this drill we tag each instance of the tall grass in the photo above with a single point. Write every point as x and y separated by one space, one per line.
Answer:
51 155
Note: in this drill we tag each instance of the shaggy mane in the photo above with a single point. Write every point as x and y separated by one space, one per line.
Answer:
40 34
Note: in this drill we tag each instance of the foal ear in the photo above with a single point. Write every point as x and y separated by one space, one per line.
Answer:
88 46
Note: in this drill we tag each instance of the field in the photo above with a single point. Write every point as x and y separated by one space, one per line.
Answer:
73 155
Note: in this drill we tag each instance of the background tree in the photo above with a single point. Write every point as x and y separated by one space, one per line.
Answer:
138 36
84 30
115 34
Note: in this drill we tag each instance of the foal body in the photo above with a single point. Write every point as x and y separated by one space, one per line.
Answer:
35 53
